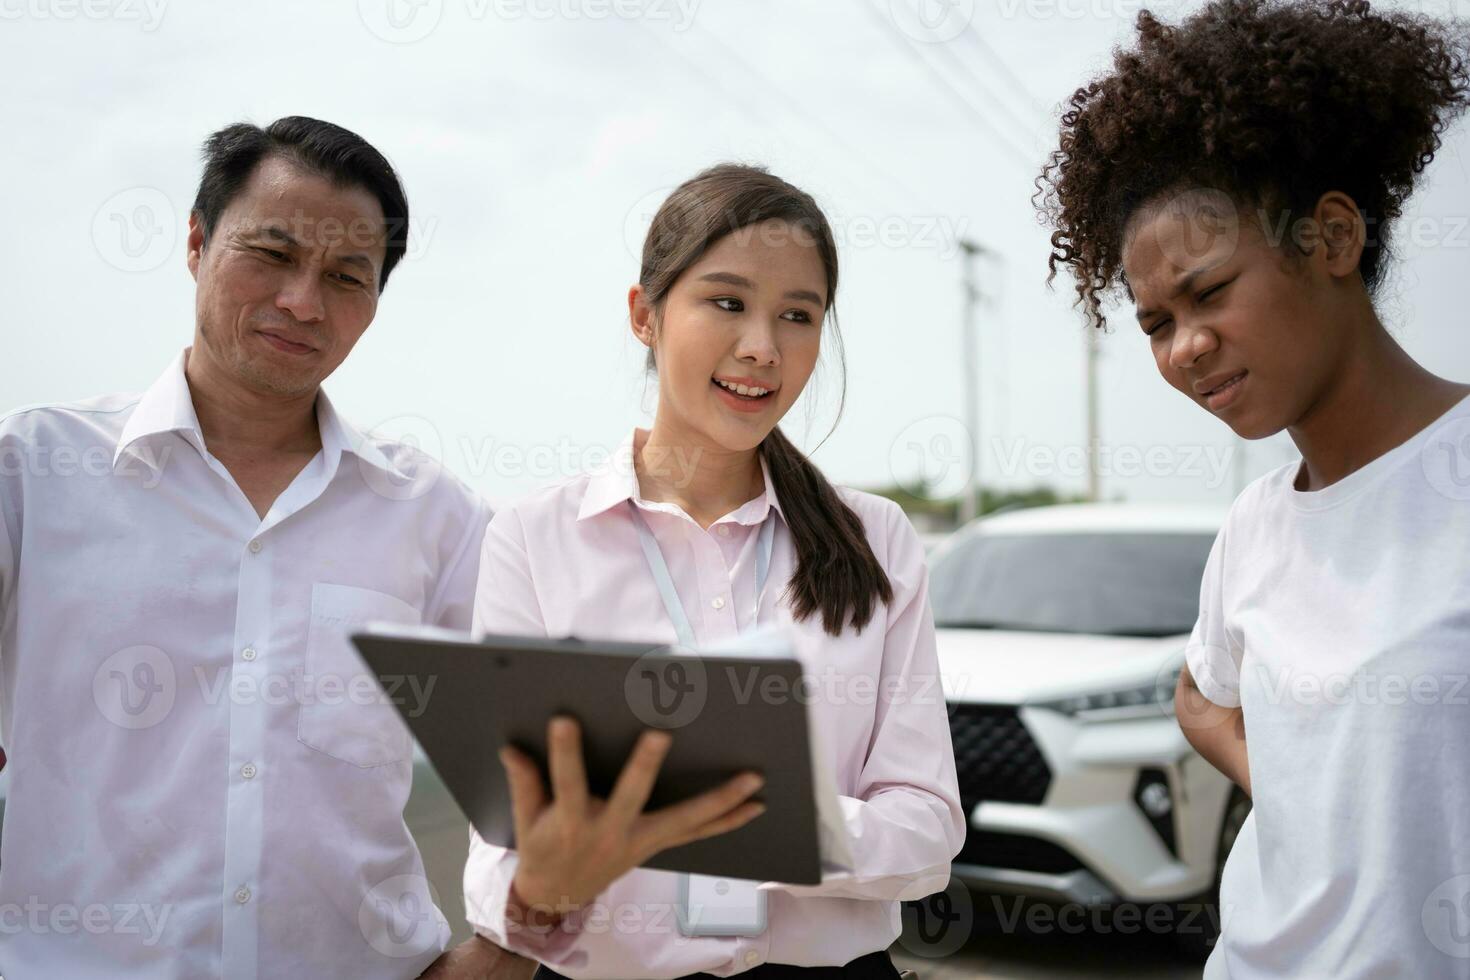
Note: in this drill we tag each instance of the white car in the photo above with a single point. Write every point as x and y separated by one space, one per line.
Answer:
1061 635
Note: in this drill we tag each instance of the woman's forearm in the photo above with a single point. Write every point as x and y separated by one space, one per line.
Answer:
1216 732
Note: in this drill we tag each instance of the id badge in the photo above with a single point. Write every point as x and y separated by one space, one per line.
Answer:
710 906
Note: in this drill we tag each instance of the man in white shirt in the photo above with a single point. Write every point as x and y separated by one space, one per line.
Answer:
205 781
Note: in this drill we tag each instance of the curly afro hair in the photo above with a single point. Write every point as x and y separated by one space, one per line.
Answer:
1273 102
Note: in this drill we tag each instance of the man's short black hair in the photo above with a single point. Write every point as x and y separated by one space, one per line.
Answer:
340 155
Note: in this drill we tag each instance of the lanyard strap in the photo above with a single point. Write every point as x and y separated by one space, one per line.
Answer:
754 900
665 582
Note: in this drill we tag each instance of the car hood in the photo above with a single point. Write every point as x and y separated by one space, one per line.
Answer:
1008 667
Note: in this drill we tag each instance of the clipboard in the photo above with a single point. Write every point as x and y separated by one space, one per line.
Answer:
727 713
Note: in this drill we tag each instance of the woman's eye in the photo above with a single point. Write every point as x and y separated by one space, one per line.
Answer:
735 306
1212 291
1160 325
274 253
801 316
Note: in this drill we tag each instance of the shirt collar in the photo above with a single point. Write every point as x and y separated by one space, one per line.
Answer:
341 436
168 407
164 407
616 481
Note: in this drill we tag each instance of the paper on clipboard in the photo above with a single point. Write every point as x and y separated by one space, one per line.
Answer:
777 642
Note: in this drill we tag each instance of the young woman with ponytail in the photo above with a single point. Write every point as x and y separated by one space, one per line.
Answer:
738 278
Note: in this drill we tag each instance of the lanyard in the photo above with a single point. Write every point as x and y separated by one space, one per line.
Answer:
665 582
739 900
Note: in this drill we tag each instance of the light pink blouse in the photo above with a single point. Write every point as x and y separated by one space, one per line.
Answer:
567 560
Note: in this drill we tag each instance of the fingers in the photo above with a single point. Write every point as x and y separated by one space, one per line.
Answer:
527 792
733 820
635 783
679 820
568 771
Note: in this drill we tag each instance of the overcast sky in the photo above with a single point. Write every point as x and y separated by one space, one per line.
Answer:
536 137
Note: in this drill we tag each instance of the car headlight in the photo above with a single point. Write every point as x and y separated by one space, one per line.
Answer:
1140 701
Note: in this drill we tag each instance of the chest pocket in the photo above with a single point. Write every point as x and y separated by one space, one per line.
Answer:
345 714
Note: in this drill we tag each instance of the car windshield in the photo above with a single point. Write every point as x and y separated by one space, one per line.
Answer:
1111 584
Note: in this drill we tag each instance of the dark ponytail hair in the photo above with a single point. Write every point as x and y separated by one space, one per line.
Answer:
836 571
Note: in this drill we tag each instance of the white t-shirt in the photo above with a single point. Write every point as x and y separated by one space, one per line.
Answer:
1340 621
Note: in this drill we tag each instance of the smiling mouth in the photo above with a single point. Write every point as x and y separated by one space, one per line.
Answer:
747 395
1225 385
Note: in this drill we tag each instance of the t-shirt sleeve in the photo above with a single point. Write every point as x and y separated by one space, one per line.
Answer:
1212 654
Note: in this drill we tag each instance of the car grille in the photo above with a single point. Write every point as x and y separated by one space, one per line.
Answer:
995 756
994 850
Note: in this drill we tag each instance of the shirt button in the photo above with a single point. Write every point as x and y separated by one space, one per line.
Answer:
248 770
718 602
248 653
255 546
242 895
723 530
752 958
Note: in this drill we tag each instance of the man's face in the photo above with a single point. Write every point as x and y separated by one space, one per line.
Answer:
288 280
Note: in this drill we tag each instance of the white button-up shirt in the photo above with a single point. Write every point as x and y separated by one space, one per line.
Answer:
204 779
568 561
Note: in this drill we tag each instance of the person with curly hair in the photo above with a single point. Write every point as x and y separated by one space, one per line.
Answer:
1237 176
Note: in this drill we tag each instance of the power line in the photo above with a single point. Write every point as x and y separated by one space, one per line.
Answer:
1022 127
1017 154
998 63
782 97
964 66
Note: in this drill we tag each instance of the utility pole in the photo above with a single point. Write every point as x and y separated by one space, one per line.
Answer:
970 363
1094 492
